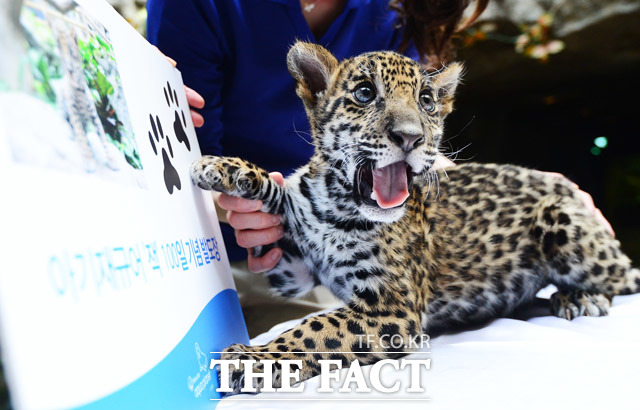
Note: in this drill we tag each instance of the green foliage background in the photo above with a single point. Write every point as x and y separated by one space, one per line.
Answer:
98 59
100 71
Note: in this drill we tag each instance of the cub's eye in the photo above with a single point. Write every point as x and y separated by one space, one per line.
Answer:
427 102
364 93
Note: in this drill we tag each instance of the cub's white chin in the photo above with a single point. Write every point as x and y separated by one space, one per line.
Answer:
376 214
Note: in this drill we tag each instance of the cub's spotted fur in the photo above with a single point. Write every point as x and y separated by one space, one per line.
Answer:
365 218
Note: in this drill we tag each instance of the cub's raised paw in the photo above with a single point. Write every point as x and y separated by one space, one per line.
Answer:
232 176
207 173
569 305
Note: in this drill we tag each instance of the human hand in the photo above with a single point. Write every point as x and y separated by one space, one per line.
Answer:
194 99
587 200
254 227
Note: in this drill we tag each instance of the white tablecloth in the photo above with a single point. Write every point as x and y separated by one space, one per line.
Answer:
540 363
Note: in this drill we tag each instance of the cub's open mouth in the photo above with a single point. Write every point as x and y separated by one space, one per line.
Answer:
386 187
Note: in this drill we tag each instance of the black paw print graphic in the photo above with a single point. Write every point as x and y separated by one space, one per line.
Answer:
171 177
179 121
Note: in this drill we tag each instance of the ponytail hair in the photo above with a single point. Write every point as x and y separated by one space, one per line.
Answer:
430 25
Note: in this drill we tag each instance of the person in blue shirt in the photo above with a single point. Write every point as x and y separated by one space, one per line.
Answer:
233 52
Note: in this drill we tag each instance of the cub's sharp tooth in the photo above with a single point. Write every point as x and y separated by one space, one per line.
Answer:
374 196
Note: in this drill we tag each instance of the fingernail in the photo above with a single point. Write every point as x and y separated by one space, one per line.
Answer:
275 219
275 255
255 205
280 230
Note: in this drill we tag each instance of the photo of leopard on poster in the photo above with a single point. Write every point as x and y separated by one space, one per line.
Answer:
70 76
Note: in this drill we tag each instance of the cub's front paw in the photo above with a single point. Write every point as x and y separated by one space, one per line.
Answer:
208 173
237 374
224 174
569 305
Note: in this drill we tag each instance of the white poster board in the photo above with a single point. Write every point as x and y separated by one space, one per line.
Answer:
116 284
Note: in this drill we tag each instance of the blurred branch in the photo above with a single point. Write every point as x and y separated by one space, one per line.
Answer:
134 11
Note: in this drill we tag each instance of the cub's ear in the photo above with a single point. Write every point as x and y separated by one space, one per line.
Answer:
446 82
311 66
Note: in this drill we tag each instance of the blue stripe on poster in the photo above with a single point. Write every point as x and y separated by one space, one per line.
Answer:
182 380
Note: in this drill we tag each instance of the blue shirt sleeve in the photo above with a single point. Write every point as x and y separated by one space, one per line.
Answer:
188 32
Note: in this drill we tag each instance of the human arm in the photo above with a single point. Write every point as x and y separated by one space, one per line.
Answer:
189 33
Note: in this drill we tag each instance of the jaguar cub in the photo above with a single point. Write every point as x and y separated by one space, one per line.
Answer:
365 218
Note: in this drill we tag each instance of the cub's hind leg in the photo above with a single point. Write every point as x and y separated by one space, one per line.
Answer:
347 334
582 259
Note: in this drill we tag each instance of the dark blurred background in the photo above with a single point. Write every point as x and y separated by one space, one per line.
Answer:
551 115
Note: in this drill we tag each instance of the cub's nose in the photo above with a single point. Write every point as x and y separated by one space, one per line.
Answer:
407 139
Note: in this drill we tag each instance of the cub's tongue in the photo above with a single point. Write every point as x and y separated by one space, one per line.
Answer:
390 185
